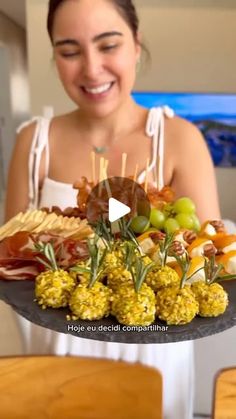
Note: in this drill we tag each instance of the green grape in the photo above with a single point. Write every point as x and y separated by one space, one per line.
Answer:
171 225
196 223
185 220
184 205
157 218
167 210
140 224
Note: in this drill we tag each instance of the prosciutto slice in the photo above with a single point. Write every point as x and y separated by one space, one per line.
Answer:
18 257
18 273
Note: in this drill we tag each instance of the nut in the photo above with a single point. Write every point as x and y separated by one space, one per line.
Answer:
157 236
209 250
189 236
218 226
177 248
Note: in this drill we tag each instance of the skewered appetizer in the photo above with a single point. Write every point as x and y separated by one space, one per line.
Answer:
134 308
197 247
176 305
117 277
184 236
54 286
134 303
195 270
91 300
226 243
115 263
228 261
163 275
213 230
211 296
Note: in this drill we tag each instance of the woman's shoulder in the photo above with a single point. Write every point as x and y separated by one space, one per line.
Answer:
180 124
179 130
28 129
40 126
63 121
184 141
25 132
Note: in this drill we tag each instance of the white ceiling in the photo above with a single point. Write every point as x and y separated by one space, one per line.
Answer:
14 9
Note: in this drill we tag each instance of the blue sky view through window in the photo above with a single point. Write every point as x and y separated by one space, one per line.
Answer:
214 114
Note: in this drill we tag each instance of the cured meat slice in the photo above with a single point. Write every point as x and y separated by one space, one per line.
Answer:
18 256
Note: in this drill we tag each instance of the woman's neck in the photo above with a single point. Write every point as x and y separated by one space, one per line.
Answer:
119 123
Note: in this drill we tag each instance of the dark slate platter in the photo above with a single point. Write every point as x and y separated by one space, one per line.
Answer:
20 296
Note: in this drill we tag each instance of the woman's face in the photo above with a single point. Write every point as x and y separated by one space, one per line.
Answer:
95 53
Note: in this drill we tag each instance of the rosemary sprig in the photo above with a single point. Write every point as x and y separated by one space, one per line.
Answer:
212 271
95 264
97 256
103 230
47 250
139 272
226 277
129 249
81 269
126 232
165 246
184 263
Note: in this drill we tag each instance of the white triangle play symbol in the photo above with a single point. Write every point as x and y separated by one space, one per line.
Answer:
117 210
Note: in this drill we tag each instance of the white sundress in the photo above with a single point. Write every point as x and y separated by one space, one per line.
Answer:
174 360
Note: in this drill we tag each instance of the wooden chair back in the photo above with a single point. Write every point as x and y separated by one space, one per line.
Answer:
224 394
54 387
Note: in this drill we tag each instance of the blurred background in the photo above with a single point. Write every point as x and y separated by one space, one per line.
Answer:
192 45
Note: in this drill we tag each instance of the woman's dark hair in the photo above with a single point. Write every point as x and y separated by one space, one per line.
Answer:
126 9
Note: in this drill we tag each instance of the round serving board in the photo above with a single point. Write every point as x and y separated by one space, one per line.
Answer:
20 296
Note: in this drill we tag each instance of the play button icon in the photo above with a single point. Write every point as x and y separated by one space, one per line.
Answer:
117 210
115 198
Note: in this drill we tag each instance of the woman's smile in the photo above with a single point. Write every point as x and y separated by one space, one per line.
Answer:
99 91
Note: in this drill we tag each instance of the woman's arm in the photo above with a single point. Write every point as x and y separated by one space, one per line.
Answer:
17 195
194 174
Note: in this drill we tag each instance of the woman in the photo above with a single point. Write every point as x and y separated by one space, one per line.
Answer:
96 49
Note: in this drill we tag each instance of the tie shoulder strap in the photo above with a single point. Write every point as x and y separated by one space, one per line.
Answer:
39 143
155 130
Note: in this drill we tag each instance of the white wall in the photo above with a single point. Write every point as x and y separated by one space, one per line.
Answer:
45 88
192 43
14 101
6 125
